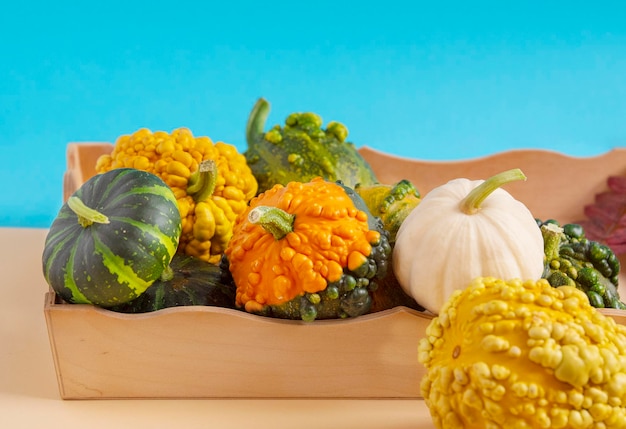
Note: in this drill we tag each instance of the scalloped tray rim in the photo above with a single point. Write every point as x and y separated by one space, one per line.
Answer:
493 155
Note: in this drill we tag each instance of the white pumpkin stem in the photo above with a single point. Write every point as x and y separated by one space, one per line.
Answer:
86 215
471 203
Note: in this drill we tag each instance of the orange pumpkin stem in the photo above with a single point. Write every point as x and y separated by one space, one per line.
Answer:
276 221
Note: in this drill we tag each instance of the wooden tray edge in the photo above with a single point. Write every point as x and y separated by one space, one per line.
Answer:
52 304
370 152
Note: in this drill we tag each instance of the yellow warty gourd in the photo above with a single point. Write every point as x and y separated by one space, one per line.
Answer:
513 354
212 182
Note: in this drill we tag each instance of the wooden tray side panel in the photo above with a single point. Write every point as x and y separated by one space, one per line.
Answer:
81 164
557 186
198 352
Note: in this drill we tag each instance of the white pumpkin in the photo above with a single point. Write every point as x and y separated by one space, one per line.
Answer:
462 230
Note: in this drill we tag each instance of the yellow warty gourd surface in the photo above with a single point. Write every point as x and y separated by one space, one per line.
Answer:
513 354
209 202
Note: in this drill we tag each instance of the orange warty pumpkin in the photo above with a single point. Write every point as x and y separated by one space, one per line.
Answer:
307 250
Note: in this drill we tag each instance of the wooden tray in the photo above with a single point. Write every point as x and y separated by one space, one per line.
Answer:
209 352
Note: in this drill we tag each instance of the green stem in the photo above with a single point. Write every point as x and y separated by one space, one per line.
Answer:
256 121
276 221
202 182
471 203
552 234
86 215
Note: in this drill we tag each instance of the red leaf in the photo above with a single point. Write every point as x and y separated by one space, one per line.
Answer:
606 217
617 184
610 199
618 235
593 228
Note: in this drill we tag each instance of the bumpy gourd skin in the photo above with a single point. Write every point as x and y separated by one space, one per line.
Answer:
302 150
210 201
513 354
311 254
391 203
573 260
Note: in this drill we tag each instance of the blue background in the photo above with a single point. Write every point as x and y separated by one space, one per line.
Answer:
430 80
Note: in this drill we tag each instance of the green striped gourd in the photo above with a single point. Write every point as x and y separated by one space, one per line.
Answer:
112 238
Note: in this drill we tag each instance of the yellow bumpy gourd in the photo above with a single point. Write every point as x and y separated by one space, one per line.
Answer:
212 182
514 354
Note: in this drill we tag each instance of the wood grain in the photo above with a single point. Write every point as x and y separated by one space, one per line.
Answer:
557 186
194 352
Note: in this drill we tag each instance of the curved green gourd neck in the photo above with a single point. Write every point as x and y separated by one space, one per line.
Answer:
202 182
471 203
86 215
256 121
274 220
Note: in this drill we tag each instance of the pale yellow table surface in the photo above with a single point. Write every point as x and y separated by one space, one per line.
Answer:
29 396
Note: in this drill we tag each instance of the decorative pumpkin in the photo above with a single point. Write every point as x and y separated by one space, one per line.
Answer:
188 281
523 354
112 239
572 259
302 150
212 182
307 251
391 203
462 230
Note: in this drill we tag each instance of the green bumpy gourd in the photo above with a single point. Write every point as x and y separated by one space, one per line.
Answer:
574 260
302 150
391 203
